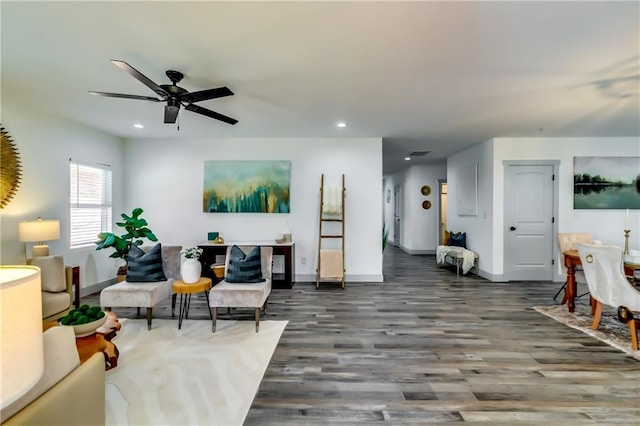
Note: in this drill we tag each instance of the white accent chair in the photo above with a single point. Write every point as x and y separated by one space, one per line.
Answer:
56 286
568 241
604 271
145 294
238 295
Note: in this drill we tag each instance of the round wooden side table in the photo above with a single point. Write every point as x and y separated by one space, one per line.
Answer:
203 285
100 341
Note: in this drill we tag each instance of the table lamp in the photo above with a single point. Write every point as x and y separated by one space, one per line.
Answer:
39 231
21 347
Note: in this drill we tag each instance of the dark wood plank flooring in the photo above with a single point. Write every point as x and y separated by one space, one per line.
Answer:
427 347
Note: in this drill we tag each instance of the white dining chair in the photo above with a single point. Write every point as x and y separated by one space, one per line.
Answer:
603 269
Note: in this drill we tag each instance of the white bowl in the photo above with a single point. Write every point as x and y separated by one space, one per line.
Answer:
89 328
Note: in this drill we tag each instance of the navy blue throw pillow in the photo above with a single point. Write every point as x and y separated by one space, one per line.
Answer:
458 240
244 268
145 267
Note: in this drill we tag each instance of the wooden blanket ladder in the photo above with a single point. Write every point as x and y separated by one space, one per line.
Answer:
331 260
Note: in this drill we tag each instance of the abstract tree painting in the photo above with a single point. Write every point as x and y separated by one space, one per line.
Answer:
246 186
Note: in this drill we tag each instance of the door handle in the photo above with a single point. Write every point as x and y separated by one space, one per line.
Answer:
513 228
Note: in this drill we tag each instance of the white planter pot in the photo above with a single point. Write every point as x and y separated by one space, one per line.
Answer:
190 270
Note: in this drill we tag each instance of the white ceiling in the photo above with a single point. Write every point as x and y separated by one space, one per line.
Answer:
435 76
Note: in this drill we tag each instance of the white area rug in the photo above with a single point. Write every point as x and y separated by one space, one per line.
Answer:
610 330
190 376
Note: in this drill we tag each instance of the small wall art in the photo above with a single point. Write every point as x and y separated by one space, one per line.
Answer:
606 182
246 187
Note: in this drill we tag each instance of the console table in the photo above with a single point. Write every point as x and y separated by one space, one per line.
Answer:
278 280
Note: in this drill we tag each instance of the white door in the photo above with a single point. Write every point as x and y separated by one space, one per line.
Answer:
396 216
529 222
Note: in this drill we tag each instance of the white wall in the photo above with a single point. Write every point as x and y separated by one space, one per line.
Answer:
605 225
387 206
390 182
45 144
419 227
486 236
165 178
478 228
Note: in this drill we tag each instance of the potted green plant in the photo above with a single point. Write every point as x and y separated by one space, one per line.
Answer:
385 235
136 229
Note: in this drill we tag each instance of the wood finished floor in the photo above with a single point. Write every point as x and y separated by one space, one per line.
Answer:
427 347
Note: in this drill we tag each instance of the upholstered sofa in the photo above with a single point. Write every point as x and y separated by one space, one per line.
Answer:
56 281
68 393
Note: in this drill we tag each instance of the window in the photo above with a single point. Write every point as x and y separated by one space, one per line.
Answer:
90 203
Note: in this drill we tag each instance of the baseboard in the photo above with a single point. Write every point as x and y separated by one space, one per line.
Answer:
500 278
364 278
496 278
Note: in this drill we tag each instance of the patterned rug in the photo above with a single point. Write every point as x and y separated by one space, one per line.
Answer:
610 330
190 376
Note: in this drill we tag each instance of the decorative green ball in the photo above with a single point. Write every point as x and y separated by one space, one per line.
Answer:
82 315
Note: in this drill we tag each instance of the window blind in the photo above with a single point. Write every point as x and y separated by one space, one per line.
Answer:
90 203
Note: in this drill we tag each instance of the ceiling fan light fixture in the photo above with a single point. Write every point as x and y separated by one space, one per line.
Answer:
174 95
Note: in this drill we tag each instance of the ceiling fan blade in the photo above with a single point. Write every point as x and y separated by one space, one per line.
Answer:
141 77
211 114
204 95
120 95
170 114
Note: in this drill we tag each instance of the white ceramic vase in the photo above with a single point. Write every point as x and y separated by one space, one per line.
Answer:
190 270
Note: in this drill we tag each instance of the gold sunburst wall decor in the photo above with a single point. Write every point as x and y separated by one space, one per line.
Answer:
10 170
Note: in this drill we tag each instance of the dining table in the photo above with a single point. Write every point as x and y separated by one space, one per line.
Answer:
571 260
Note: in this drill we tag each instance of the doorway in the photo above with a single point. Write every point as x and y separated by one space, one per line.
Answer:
442 213
397 203
530 226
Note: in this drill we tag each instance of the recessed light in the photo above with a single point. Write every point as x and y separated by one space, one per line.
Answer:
341 124
138 126
407 158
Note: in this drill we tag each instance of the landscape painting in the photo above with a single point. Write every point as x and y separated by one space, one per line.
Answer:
606 182
246 186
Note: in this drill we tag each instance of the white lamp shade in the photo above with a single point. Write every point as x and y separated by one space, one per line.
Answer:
39 230
21 347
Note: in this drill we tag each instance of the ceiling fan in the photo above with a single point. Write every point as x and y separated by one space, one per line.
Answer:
174 95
